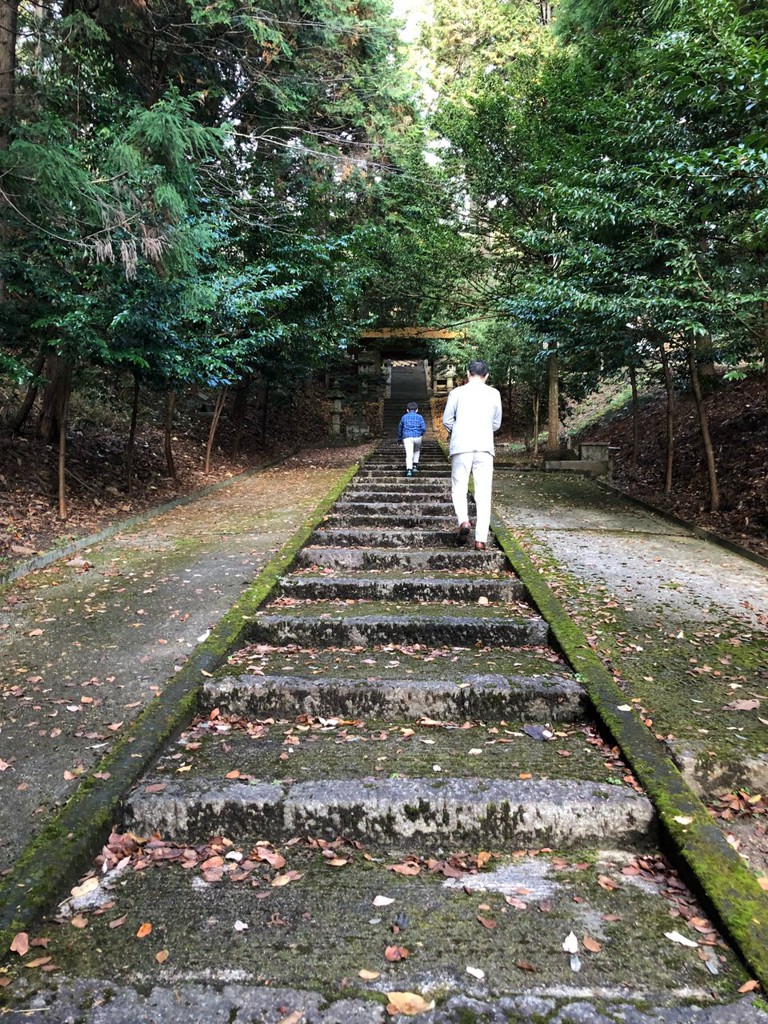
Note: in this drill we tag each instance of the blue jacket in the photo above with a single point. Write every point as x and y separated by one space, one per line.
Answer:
411 425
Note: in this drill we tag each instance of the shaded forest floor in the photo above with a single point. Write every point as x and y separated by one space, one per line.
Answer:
739 428
97 492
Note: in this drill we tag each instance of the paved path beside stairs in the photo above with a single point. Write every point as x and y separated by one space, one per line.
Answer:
395 801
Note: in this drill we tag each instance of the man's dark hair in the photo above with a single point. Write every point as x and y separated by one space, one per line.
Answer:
478 368
412 407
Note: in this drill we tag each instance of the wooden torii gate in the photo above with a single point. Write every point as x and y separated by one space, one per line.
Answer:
382 343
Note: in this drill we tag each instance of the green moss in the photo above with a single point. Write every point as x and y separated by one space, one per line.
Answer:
70 839
328 929
729 886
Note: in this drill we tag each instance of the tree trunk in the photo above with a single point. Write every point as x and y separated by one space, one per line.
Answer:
635 418
61 418
240 408
509 406
764 349
553 426
701 409
264 413
17 424
9 14
132 435
536 424
58 375
221 398
170 402
670 389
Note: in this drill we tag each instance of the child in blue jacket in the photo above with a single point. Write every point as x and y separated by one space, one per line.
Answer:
411 430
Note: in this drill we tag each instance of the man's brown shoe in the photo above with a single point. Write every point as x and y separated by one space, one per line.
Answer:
461 536
479 545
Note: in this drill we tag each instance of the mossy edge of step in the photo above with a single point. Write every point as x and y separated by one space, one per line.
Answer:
730 887
555 699
564 814
73 835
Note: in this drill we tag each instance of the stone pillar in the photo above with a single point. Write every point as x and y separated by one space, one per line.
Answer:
337 406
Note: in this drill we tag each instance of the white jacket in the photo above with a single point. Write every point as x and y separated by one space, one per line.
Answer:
472 415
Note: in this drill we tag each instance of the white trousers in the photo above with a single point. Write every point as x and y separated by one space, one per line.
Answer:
412 451
480 465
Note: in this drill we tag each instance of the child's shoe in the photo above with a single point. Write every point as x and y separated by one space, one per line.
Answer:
409 472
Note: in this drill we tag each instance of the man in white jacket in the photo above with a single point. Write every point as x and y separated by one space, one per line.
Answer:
472 416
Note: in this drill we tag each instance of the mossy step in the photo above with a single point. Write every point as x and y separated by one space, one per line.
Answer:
374 508
488 698
344 630
388 496
397 461
461 559
300 947
395 476
391 537
306 748
399 520
404 490
522 813
392 662
408 588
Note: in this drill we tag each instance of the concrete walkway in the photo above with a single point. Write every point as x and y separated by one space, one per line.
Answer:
681 621
89 641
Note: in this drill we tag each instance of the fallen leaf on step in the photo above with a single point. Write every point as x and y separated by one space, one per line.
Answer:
742 705
749 986
607 883
408 1003
571 943
409 868
368 975
20 944
289 876
486 922
476 973
292 1018
395 953
382 901
39 962
162 955
591 944
79 921
272 857
144 930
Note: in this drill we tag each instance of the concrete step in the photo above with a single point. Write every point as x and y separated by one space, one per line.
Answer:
243 950
489 697
460 559
363 506
344 630
560 814
396 474
409 492
392 538
403 519
383 664
408 588
397 463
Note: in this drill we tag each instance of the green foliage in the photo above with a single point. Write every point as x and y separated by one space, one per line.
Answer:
617 183
194 190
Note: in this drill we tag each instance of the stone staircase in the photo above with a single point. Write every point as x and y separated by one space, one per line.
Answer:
394 788
475 611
